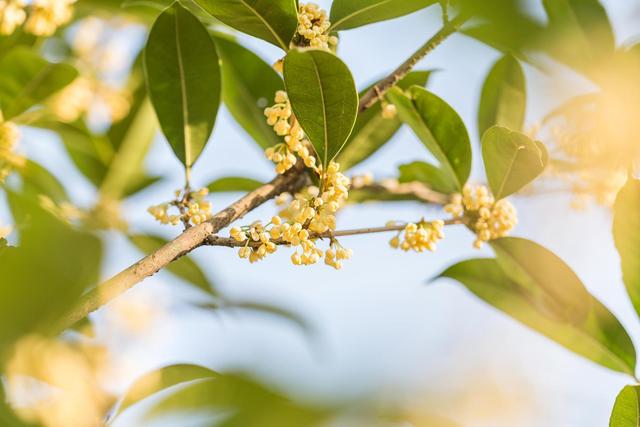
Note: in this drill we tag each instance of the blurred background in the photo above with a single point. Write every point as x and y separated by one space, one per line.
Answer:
377 330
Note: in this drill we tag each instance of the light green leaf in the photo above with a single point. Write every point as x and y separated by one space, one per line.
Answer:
248 86
272 20
626 411
599 337
546 280
323 98
38 180
503 101
435 178
346 14
233 184
27 80
185 267
626 233
371 130
511 160
183 79
439 128
160 379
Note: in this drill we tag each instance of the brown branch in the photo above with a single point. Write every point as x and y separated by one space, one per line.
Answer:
232 243
375 93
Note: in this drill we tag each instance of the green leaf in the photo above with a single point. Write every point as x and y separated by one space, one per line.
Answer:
346 14
626 233
44 276
371 130
160 379
626 411
503 100
37 180
272 20
439 128
599 337
248 86
139 182
511 160
185 267
428 174
546 280
183 79
27 80
323 98
233 184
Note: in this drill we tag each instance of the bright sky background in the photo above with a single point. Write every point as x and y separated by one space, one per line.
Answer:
381 329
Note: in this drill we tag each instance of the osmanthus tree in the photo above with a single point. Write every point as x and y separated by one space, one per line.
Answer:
308 115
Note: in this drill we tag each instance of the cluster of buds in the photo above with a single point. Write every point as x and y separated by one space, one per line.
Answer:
335 254
9 160
256 233
313 27
284 124
419 237
389 111
190 208
490 219
43 19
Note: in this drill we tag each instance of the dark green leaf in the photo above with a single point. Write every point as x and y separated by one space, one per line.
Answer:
599 337
428 174
504 96
233 184
27 80
272 20
160 379
511 160
371 130
183 79
323 98
547 281
626 233
185 267
439 128
248 86
346 14
37 180
626 411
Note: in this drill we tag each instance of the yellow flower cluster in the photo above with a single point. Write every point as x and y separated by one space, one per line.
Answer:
43 19
284 124
9 160
191 208
419 237
73 101
313 27
488 218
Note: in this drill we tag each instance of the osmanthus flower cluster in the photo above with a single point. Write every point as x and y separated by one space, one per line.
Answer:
189 207
488 218
313 28
419 237
40 17
9 160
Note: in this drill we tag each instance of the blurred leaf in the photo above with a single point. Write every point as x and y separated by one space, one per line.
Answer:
599 337
233 184
44 276
38 180
428 174
183 79
139 183
626 411
274 21
323 98
185 267
511 160
626 233
504 96
27 80
248 86
580 34
160 379
439 128
346 14
546 279
371 130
